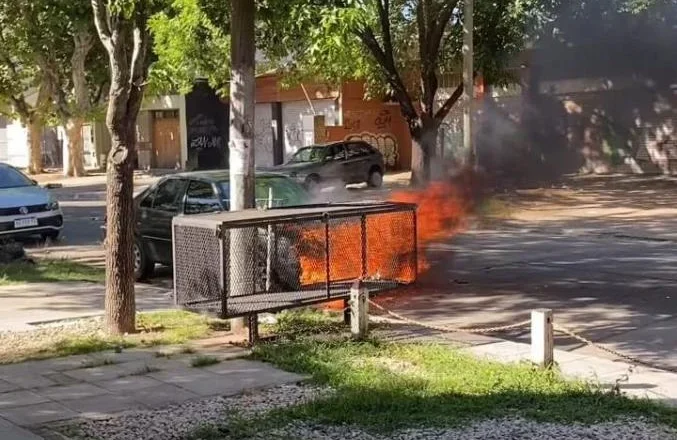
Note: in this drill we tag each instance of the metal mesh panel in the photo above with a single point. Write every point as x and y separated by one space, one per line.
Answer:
197 267
293 260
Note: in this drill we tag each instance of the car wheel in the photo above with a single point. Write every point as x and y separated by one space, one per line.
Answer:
51 235
143 267
375 178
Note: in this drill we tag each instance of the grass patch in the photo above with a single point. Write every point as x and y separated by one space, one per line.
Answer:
203 361
292 324
48 270
383 387
154 329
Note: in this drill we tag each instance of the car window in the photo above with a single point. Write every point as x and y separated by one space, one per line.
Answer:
201 198
11 178
336 152
285 191
169 195
308 154
148 198
356 150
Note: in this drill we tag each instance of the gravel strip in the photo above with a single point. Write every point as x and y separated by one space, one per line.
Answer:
502 429
177 421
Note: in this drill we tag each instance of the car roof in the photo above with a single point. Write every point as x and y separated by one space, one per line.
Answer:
217 175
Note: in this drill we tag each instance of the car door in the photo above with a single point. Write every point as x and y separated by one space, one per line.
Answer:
335 163
157 220
357 162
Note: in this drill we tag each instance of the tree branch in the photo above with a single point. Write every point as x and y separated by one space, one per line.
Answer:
102 21
435 36
449 103
368 38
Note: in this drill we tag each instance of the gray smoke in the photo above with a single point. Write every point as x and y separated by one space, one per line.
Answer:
599 94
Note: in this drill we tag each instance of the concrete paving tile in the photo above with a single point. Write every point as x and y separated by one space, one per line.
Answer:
64 363
103 406
592 368
240 366
10 431
70 392
20 398
61 379
162 395
29 381
128 355
97 374
6 386
37 414
183 376
128 383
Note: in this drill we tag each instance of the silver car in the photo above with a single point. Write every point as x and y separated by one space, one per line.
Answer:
26 208
347 162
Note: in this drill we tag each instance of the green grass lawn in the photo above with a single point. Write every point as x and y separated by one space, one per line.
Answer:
154 329
386 386
46 270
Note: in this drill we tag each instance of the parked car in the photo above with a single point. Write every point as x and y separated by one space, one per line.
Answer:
349 162
194 193
26 208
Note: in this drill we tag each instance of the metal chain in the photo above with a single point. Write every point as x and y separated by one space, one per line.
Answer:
525 323
471 330
631 359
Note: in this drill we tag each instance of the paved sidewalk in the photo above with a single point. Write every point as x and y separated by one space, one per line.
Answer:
24 305
98 386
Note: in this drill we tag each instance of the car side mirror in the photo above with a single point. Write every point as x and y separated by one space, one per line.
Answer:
53 185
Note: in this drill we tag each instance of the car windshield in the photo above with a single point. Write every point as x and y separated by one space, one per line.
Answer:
11 178
286 192
309 154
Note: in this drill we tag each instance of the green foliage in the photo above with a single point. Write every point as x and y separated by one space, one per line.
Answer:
384 387
191 40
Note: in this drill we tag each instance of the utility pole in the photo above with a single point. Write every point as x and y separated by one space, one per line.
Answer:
468 82
241 147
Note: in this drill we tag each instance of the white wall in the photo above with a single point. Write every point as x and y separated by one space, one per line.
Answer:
263 137
172 102
292 118
17 147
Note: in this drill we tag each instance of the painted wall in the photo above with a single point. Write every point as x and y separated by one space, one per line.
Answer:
381 124
292 117
263 135
17 148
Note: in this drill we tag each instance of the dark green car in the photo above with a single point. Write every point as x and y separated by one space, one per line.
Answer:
194 193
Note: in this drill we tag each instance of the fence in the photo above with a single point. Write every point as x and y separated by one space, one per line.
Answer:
247 262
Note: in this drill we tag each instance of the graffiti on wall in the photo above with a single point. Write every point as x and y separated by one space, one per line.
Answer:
386 143
263 139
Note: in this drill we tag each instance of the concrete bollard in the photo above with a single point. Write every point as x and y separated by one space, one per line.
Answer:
542 345
359 310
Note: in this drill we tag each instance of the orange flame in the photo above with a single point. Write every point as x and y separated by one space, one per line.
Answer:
442 209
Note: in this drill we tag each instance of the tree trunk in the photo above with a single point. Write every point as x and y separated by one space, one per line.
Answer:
34 141
120 302
241 148
423 148
75 167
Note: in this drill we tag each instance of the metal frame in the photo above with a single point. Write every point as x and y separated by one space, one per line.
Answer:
320 214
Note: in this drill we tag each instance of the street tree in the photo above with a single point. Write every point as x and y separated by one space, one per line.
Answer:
47 46
122 26
25 87
402 48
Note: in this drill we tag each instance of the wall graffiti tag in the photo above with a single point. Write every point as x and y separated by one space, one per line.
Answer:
203 133
383 120
386 143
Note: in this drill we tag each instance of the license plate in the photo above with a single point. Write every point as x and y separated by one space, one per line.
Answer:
25 222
